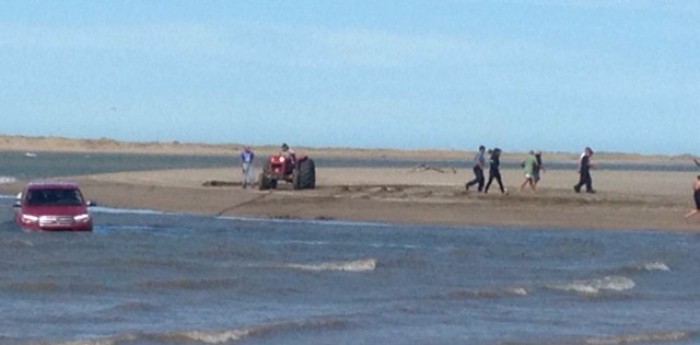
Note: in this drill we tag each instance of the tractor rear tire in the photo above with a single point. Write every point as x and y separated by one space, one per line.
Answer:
306 176
296 181
264 182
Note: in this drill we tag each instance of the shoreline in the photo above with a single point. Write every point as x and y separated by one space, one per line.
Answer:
402 196
626 199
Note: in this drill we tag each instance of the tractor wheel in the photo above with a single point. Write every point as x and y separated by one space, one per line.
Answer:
296 181
306 176
265 182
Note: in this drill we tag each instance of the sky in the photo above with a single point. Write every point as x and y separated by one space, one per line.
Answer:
615 75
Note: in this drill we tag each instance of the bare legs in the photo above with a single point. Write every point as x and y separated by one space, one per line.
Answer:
529 181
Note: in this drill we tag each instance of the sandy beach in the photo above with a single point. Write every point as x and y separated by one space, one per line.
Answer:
625 199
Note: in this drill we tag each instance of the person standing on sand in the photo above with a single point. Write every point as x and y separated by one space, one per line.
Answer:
538 167
584 170
247 157
696 196
494 170
479 162
529 166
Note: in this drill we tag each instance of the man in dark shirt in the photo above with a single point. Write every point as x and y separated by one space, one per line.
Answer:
584 169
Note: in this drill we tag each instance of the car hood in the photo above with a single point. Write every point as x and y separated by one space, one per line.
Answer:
54 210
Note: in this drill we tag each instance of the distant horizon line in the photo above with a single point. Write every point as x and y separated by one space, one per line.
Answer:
237 145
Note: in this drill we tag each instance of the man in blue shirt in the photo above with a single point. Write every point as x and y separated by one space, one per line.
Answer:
479 163
247 157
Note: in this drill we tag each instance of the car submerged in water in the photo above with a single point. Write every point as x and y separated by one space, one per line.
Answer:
53 206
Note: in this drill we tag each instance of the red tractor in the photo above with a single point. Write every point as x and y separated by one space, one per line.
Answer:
298 170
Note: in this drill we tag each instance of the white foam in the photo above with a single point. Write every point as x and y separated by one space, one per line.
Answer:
655 266
639 338
7 179
101 341
490 293
125 227
111 210
362 265
223 336
595 286
217 337
518 291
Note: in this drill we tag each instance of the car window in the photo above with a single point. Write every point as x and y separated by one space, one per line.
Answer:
54 196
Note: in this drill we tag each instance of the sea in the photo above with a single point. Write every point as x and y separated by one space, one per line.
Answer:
145 277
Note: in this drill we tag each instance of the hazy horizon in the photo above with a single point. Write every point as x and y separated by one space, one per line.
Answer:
275 146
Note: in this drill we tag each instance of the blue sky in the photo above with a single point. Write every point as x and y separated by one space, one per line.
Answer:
616 75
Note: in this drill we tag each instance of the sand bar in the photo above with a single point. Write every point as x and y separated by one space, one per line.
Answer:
640 200
625 199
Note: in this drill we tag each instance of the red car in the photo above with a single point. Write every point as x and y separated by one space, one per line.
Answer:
53 206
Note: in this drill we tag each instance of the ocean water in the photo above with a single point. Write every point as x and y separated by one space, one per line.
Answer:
17 165
150 278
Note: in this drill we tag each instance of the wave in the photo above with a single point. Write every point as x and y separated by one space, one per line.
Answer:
7 179
112 340
659 337
124 228
14 243
647 267
49 286
190 284
362 265
38 286
131 307
112 210
597 285
488 293
222 336
639 338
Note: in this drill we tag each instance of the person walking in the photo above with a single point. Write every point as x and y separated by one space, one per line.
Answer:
529 166
495 170
539 168
247 158
584 169
479 163
696 196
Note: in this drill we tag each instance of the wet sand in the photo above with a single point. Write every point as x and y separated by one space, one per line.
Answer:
625 200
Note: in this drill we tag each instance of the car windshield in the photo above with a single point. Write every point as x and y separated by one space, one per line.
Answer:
54 196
